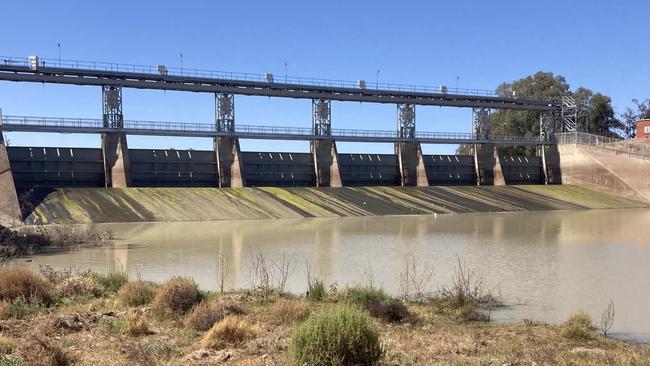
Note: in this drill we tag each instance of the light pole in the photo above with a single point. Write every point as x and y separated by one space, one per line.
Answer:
59 46
181 63
457 79
377 81
286 77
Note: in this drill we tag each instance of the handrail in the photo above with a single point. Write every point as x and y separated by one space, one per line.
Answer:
157 126
606 144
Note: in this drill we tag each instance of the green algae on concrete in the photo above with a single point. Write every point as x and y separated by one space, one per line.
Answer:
84 205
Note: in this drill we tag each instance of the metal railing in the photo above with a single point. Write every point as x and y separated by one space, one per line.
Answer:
32 123
616 146
241 76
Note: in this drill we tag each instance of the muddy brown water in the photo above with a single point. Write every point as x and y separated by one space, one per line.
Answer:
545 265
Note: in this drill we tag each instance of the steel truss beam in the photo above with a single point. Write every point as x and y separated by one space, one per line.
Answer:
140 80
225 112
406 120
322 117
112 106
481 123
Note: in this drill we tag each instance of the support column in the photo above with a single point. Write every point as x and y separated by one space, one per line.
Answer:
229 161
323 150
488 166
409 153
10 214
117 172
551 163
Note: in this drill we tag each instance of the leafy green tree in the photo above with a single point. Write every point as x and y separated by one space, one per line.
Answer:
507 122
631 116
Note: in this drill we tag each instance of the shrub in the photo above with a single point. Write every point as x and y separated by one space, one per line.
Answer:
344 336
391 310
203 317
286 311
111 281
22 284
317 291
376 302
578 327
232 331
470 313
136 293
39 350
136 324
362 295
176 297
78 285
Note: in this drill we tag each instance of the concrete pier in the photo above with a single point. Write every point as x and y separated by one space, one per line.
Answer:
411 164
488 166
229 162
10 214
551 164
117 165
326 163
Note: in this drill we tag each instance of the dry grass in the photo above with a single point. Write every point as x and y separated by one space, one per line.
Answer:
203 317
176 297
38 350
232 331
136 323
5 309
288 311
24 285
99 332
79 285
137 293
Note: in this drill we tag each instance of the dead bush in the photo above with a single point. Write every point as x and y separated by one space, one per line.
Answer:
137 293
285 311
176 297
203 317
38 350
232 331
24 285
78 285
136 323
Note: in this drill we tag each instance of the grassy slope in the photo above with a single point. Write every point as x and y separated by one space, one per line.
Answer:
84 205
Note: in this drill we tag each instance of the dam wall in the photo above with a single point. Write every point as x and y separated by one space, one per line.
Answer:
605 171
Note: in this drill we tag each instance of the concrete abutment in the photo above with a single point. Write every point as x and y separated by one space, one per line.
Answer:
10 214
488 166
411 164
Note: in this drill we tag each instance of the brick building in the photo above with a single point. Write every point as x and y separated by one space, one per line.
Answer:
643 128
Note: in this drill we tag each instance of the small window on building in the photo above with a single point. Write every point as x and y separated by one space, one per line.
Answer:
646 129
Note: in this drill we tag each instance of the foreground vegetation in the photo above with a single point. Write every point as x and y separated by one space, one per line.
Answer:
62 317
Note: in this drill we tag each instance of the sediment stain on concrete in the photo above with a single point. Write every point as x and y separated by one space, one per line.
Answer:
83 205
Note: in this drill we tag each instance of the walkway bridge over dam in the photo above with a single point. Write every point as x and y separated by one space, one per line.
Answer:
115 165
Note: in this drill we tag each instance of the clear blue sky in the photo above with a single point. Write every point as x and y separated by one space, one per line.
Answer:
600 44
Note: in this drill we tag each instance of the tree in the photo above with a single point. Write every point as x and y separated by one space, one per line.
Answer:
631 116
600 117
507 122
